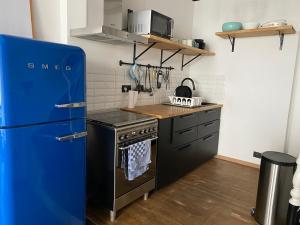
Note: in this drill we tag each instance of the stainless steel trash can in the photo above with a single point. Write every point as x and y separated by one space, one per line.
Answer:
275 183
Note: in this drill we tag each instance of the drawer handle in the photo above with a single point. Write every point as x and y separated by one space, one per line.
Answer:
186 116
209 124
184 147
208 137
186 131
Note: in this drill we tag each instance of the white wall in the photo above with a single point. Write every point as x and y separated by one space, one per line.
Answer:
47 20
293 140
15 18
255 82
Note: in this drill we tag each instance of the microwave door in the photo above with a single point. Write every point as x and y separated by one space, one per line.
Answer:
160 25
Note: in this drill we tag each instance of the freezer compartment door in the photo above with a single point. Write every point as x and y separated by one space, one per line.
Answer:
40 82
42 174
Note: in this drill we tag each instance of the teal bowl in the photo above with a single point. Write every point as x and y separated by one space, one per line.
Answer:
232 26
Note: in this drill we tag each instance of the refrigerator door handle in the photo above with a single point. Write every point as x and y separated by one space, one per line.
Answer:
72 136
71 105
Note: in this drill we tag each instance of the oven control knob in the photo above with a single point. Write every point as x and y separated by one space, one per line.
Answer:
142 131
133 133
127 136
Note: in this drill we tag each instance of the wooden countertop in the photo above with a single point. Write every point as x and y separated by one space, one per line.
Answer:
166 111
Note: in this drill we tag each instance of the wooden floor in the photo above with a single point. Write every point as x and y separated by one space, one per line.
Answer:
217 193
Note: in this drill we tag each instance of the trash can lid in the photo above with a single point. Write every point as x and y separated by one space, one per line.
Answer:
279 158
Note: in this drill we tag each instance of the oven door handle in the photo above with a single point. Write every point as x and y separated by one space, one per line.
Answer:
125 148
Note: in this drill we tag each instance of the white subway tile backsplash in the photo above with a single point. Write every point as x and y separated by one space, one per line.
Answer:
104 89
211 87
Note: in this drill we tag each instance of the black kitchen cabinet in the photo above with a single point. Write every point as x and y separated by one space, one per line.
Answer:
184 143
185 121
184 136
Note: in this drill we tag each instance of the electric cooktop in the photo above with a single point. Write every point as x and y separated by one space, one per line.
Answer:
118 118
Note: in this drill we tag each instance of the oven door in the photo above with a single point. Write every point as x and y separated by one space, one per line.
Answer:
124 186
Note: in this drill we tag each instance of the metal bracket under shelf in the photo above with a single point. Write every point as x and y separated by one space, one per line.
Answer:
232 42
121 63
162 61
281 38
142 53
185 64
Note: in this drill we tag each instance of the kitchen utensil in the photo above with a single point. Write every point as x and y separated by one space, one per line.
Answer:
148 78
167 79
250 25
135 75
140 75
185 91
154 76
159 79
133 96
133 72
232 26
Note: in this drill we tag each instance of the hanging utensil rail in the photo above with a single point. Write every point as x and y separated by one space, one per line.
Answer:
121 63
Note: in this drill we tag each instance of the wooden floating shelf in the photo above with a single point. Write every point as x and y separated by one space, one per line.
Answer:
259 32
270 31
169 45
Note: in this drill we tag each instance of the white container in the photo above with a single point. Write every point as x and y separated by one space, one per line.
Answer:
186 102
187 42
133 96
250 25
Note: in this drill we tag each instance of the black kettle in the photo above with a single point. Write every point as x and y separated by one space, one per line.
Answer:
185 91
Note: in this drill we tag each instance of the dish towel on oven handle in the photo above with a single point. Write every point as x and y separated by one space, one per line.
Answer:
136 160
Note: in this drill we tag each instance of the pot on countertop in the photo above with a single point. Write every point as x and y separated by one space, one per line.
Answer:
185 91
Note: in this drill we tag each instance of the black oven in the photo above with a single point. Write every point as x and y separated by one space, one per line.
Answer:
107 184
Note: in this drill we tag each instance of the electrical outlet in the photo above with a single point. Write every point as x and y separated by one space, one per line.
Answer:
126 88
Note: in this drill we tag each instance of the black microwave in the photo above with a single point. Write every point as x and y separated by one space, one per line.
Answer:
150 22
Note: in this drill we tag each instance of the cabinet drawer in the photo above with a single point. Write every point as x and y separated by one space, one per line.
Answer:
208 128
209 115
207 147
173 164
185 156
185 136
185 121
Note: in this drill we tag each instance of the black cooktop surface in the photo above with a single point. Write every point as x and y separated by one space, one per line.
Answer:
118 118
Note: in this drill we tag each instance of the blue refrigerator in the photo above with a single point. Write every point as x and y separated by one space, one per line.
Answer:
42 131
